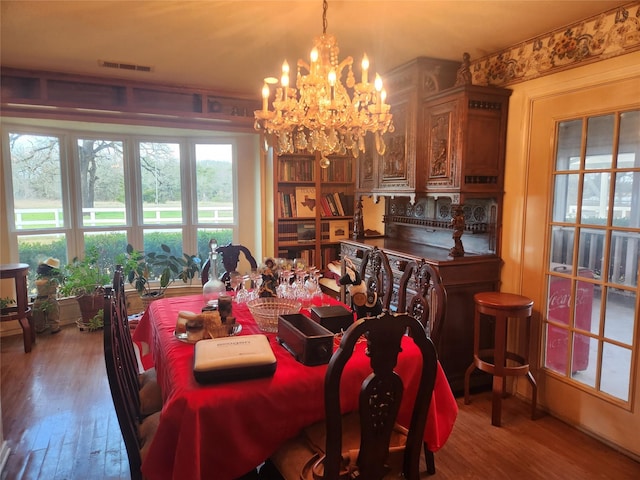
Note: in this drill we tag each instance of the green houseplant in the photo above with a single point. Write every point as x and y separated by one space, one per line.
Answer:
45 308
85 279
6 302
152 273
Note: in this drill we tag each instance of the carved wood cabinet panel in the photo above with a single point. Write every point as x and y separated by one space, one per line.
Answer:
465 131
395 172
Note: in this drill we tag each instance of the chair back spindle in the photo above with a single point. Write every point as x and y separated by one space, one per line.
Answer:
122 374
429 303
376 272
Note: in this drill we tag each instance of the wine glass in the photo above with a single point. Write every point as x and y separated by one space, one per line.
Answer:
256 281
284 286
312 284
243 296
235 279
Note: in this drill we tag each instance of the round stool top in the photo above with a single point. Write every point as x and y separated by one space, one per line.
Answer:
10 270
503 301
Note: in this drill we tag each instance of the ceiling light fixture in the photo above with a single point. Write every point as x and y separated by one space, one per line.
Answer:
320 113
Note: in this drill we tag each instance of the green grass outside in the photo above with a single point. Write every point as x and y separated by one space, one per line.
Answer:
39 216
119 215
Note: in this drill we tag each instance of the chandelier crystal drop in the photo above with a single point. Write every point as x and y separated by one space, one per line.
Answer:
320 112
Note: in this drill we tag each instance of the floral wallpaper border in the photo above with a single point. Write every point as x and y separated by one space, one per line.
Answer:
607 35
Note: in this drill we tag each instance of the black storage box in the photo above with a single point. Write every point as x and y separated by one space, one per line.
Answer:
335 317
309 342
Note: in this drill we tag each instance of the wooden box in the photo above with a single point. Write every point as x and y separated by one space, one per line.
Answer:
309 342
334 317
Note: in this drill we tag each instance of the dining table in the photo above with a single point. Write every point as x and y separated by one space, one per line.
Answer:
224 430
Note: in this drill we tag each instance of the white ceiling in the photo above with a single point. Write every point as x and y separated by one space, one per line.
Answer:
233 45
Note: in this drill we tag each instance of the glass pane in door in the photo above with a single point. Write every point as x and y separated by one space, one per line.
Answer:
599 142
569 145
594 245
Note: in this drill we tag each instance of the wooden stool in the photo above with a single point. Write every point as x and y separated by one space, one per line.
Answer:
502 306
22 311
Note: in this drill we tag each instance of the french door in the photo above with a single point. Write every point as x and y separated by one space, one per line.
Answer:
584 184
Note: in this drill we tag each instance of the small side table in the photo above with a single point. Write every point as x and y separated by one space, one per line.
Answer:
501 306
22 311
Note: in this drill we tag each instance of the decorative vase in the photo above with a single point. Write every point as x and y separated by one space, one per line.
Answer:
214 285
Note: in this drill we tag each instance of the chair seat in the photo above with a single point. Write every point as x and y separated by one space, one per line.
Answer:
147 431
301 456
150 393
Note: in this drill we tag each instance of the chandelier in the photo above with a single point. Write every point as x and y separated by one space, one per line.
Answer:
320 113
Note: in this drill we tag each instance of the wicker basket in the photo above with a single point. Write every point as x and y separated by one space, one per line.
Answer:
266 311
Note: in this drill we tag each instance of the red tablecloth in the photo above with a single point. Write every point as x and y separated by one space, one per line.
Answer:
223 431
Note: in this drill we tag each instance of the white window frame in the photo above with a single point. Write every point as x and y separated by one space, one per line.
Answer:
73 229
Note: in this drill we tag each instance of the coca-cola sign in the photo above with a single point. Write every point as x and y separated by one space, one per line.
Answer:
559 305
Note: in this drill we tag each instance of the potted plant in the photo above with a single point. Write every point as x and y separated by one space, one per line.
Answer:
85 280
153 272
46 311
5 303
190 269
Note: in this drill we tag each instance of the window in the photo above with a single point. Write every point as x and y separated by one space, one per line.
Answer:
594 245
70 191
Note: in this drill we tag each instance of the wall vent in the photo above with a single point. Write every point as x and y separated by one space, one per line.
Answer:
124 66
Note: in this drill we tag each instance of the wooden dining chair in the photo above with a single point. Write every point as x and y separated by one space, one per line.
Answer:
137 426
230 258
429 303
429 306
148 388
367 444
375 271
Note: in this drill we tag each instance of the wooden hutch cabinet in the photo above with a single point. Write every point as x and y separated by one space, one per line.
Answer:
313 206
442 177
464 133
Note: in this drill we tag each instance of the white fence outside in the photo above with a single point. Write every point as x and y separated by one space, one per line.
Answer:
55 217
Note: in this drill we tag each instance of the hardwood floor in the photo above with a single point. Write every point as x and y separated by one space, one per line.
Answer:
59 422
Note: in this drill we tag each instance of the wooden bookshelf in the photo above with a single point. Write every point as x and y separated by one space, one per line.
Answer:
313 206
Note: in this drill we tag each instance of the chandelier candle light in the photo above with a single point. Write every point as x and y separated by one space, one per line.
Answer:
321 113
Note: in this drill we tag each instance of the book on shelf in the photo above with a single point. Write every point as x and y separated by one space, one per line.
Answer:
287 232
347 203
305 201
330 254
287 205
332 204
296 170
338 230
292 203
338 201
324 207
306 232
